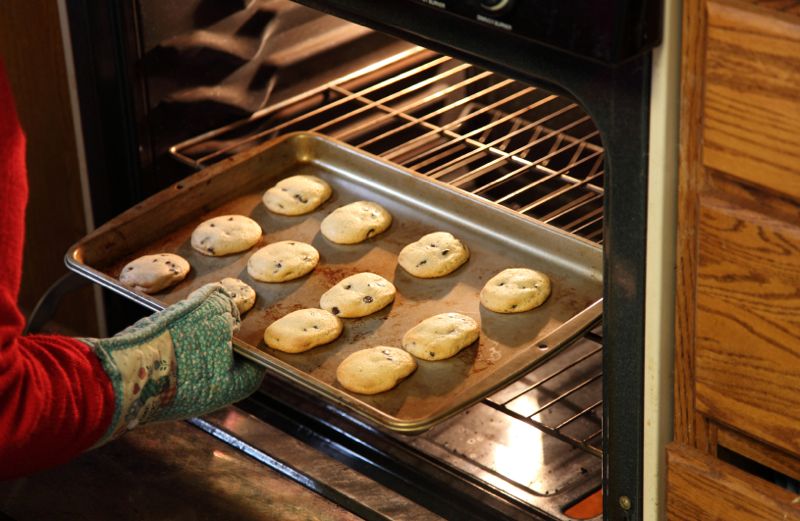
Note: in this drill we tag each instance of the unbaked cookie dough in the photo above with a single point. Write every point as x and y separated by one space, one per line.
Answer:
225 234
433 255
282 261
302 330
441 336
358 296
152 273
297 195
515 290
355 222
240 292
375 370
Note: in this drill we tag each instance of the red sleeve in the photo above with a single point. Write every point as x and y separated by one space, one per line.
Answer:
55 399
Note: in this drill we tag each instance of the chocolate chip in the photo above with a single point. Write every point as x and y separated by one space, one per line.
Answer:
502 284
367 299
420 263
155 260
433 245
212 225
335 310
316 326
233 295
431 353
230 218
513 306
279 204
291 243
445 252
301 198
304 330
130 268
210 250
284 189
348 286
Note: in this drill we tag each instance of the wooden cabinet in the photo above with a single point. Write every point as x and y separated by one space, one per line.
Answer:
747 316
751 90
737 364
704 489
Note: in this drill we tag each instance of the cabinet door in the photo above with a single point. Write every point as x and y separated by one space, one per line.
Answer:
702 488
737 358
747 336
751 105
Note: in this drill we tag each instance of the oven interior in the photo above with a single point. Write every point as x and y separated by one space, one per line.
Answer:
218 78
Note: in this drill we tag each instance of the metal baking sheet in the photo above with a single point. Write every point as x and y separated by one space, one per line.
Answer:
509 345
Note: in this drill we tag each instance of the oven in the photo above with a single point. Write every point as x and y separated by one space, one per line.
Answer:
542 107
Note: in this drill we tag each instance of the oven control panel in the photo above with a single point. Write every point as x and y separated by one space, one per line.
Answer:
605 30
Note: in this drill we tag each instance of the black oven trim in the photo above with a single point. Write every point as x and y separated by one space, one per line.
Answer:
104 44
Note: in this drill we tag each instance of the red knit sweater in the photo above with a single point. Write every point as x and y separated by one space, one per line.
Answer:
55 399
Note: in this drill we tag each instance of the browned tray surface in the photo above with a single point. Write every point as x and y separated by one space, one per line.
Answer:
509 346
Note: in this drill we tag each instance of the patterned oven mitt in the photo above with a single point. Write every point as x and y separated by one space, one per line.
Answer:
176 363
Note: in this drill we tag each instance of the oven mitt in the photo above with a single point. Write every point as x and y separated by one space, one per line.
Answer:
176 363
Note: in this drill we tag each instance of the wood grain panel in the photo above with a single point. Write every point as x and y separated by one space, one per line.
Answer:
752 96
702 488
689 172
784 6
764 454
748 322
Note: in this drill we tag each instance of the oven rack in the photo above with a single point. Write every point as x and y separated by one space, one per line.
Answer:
513 144
512 401
506 141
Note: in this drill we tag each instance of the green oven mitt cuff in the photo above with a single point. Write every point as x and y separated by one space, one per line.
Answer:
176 363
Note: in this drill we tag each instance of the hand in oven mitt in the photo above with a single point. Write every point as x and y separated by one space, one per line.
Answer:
176 363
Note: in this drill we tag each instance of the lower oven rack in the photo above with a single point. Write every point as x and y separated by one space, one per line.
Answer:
510 143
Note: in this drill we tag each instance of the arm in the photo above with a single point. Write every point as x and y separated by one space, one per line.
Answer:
55 398
60 396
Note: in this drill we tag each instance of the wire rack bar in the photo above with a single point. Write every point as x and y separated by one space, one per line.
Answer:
394 79
554 374
585 411
495 123
542 160
565 395
427 100
583 444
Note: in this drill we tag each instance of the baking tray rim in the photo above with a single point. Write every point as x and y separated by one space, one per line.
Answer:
565 334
